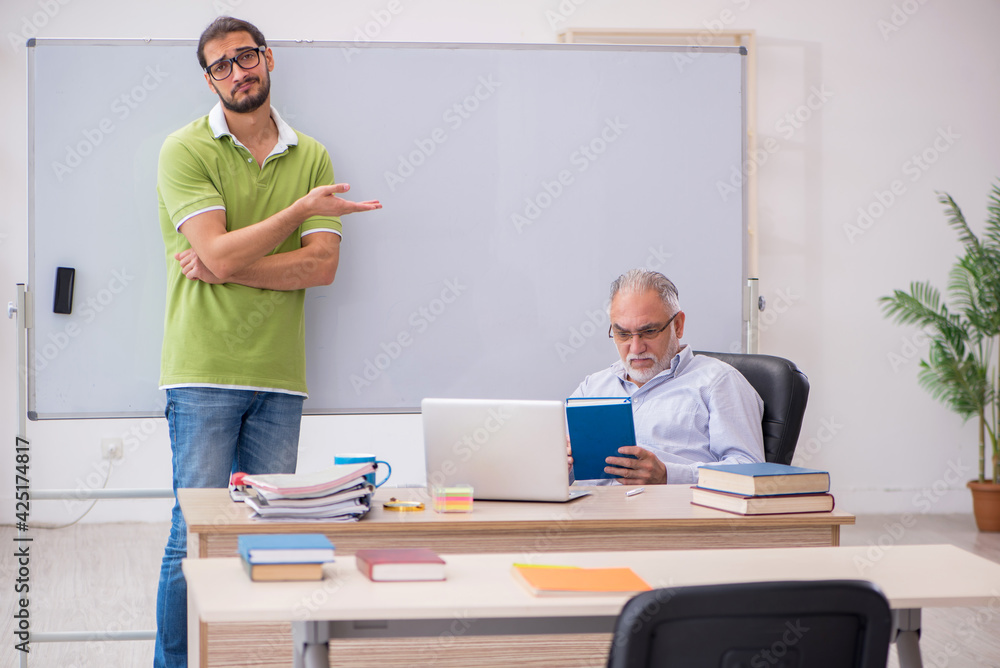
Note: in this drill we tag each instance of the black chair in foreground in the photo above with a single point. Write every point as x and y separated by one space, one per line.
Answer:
820 624
784 390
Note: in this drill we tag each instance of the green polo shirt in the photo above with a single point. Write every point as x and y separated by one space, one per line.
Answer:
230 335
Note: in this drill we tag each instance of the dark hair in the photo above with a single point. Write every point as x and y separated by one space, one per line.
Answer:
224 25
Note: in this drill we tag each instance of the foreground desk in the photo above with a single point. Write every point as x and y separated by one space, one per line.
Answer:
661 518
480 597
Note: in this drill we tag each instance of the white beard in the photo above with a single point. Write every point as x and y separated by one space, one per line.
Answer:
643 376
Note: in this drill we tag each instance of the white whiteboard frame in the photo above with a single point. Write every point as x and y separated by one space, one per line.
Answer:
39 282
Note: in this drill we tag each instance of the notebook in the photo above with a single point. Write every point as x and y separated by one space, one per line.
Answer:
508 450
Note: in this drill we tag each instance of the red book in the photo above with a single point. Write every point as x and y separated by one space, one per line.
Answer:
400 564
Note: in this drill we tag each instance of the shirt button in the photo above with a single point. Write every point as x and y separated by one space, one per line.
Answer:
249 159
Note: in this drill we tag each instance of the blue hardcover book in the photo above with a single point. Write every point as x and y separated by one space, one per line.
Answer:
764 479
598 426
287 548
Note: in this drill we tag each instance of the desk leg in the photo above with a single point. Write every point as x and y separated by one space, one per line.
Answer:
311 644
906 634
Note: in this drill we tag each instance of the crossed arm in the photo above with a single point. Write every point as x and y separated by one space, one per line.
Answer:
241 256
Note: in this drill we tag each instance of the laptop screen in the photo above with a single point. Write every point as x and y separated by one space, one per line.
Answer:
506 449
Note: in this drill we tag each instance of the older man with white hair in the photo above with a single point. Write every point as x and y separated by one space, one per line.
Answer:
688 409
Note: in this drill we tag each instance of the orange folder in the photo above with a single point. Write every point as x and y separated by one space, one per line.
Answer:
549 580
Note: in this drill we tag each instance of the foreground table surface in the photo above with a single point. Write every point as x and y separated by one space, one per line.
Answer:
482 597
911 576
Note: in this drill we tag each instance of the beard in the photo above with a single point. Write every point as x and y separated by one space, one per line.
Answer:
248 103
643 376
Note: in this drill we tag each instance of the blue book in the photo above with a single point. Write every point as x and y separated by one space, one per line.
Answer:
286 548
598 426
765 479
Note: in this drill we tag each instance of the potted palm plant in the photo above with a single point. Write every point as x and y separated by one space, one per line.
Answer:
962 368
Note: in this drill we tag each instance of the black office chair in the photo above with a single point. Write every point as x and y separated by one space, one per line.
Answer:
820 624
784 390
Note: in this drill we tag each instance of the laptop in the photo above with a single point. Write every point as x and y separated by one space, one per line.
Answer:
508 450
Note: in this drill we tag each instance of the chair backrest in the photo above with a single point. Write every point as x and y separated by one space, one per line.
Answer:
784 390
802 624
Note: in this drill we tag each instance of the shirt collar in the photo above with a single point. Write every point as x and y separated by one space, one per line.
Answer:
677 365
286 135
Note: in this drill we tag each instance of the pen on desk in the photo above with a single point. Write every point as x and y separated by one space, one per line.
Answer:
633 492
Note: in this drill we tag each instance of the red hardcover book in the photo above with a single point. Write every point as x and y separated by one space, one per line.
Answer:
762 505
400 564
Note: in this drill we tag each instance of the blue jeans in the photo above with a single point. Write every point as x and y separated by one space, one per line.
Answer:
214 432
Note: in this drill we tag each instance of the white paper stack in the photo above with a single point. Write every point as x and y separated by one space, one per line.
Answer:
337 494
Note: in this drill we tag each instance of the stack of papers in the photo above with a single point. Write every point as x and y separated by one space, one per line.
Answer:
337 494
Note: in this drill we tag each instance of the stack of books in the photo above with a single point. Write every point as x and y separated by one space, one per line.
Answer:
279 557
763 489
337 494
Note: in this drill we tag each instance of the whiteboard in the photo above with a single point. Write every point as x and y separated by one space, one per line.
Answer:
517 181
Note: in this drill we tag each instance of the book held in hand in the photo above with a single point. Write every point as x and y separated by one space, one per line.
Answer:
408 564
762 505
598 426
543 580
764 479
287 548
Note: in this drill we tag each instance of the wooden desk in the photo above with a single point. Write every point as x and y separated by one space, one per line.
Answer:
481 597
661 518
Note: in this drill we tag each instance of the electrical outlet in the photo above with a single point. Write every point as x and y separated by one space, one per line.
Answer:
112 449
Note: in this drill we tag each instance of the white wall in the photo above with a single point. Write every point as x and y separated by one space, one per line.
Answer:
864 95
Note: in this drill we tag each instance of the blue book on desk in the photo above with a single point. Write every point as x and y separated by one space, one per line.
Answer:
285 548
598 426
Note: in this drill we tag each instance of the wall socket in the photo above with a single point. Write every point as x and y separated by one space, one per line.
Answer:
112 449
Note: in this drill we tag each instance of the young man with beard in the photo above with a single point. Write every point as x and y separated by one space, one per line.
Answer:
688 409
250 218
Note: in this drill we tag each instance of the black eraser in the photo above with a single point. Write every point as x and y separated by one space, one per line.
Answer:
63 300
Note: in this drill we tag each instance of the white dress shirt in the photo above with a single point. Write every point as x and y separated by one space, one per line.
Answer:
698 411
